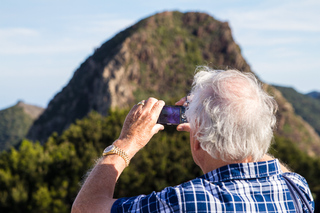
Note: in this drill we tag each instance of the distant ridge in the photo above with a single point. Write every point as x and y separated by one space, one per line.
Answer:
314 94
33 111
15 122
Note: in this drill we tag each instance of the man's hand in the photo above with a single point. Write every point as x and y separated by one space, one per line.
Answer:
140 125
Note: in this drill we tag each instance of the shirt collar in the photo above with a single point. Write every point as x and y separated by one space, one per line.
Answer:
244 171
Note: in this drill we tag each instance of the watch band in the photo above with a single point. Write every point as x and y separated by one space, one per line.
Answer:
112 149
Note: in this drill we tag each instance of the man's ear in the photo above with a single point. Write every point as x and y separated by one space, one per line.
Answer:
196 145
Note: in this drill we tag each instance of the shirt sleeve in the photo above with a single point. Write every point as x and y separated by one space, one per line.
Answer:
164 201
303 186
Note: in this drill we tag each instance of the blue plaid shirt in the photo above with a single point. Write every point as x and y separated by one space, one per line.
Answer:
245 187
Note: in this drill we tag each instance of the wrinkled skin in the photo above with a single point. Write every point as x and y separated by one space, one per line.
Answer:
141 123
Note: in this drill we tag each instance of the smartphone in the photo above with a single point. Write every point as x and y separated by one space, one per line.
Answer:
172 115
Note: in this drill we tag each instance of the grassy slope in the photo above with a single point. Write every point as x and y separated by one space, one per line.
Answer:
14 125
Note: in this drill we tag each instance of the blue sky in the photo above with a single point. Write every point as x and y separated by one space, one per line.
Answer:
42 42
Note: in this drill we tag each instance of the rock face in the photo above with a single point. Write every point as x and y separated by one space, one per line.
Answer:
155 57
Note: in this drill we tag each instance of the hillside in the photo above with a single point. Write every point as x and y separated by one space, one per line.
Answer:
157 57
15 122
292 123
307 106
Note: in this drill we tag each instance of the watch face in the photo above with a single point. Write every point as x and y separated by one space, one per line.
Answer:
108 149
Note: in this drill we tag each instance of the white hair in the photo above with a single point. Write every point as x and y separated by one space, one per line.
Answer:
230 114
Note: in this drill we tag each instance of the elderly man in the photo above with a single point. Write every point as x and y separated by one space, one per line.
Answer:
230 120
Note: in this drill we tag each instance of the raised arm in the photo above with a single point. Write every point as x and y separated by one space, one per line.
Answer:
96 195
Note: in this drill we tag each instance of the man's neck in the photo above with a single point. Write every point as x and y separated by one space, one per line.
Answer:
207 163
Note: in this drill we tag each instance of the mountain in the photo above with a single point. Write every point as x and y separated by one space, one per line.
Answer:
157 57
15 122
314 94
307 106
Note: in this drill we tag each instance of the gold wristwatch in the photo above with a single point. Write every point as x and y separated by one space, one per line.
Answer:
112 149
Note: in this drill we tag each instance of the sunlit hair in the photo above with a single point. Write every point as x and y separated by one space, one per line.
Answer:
233 118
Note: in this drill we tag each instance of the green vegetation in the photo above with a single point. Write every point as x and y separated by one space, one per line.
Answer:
305 106
14 125
46 178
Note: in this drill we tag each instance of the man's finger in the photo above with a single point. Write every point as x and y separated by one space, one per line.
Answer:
157 107
184 127
157 128
181 101
149 103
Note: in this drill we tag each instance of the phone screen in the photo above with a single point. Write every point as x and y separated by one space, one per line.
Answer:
171 115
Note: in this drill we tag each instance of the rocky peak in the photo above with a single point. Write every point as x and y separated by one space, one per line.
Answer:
155 57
